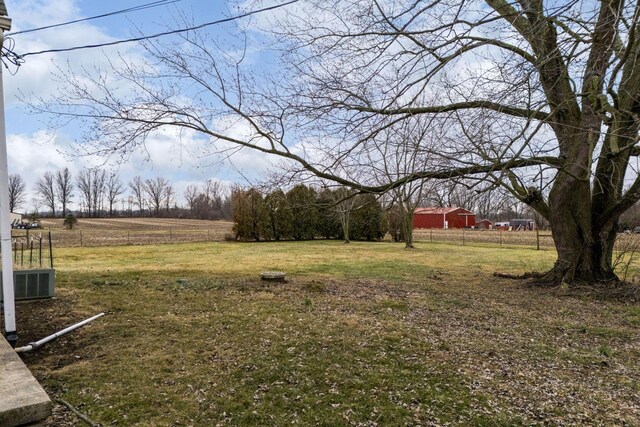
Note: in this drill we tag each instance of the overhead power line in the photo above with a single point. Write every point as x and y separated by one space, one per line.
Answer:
104 15
166 33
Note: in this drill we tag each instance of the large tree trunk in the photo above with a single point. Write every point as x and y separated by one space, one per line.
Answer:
584 252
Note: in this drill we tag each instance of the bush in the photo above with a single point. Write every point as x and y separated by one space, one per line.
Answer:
367 221
70 222
249 215
302 214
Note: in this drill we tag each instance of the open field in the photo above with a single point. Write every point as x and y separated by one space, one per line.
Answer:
135 224
362 334
122 231
144 231
133 231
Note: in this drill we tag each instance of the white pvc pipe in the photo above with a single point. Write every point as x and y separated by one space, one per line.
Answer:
5 227
43 341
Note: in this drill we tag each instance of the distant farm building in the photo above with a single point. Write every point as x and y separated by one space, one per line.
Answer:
523 224
501 225
443 218
15 218
484 224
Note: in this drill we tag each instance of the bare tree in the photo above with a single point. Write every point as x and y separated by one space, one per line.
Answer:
114 188
83 182
402 149
344 202
490 202
98 189
92 186
64 188
156 190
206 202
45 187
37 205
540 99
213 191
136 185
17 191
190 195
169 196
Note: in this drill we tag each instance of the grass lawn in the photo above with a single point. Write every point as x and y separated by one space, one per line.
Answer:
361 334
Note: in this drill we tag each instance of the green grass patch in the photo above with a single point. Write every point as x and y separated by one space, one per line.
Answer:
361 334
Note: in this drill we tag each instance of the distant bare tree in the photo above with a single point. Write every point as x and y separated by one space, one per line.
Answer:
190 194
45 187
213 192
36 202
156 190
136 185
84 186
64 188
206 202
92 184
454 193
17 191
491 202
115 188
98 189
169 197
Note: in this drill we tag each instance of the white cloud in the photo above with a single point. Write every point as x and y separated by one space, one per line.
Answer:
32 155
182 157
36 75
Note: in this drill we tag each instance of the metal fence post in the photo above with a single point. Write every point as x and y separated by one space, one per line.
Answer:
50 251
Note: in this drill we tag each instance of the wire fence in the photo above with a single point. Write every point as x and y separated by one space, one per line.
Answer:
119 237
32 249
539 239
35 249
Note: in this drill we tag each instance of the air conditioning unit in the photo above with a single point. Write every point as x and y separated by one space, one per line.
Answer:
32 284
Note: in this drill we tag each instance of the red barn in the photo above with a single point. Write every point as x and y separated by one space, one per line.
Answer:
443 218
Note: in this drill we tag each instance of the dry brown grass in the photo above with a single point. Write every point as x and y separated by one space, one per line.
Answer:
135 224
135 231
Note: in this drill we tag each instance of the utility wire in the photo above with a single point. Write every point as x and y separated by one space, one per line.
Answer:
104 15
166 33
9 55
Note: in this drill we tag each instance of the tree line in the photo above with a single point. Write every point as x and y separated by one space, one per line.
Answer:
96 193
304 213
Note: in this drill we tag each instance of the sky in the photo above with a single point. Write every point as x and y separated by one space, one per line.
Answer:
34 147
